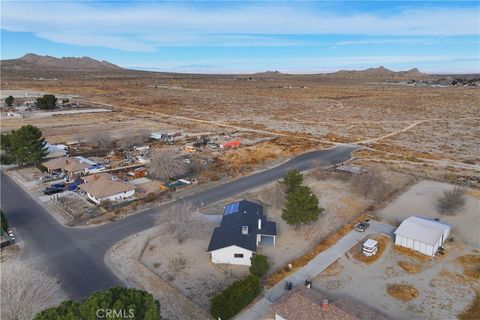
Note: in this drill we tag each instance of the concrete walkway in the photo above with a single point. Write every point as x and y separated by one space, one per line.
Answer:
261 308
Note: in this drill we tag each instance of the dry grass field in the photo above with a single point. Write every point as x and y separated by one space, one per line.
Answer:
403 125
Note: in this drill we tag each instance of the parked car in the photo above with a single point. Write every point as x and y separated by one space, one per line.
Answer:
11 235
52 177
362 226
74 185
58 185
52 190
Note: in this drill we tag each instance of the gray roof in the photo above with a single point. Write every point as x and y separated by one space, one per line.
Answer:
422 230
236 216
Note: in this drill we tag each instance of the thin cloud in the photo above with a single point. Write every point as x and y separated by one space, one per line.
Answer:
146 26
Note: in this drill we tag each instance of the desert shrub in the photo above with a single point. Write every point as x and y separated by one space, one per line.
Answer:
259 265
370 184
106 204
473 311
451 201
150 197
403 292
237 296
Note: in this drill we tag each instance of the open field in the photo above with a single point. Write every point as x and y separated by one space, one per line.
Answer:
409 128
312 106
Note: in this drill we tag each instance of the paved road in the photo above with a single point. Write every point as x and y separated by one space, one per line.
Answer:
76 255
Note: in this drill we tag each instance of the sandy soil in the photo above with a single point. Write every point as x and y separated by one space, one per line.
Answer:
187 266
420 200
444 290
123 259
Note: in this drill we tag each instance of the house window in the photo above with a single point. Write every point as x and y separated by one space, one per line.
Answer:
238 255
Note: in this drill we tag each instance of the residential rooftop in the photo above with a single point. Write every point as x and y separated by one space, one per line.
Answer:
236 217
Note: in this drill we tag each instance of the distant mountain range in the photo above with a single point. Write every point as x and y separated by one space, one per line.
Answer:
380 73
32 61
46 67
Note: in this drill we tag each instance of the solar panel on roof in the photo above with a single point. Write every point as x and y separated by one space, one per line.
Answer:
231 208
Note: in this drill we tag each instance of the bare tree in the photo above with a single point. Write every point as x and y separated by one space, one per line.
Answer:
451 201
133 138
370 184
166 165
143 135
26 291
277 196
100 139
180 221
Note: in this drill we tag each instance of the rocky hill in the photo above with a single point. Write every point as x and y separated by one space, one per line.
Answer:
32 61
380 73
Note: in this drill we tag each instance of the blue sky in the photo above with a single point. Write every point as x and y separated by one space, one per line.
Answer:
240 36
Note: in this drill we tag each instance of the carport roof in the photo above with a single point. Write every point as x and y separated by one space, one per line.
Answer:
421 229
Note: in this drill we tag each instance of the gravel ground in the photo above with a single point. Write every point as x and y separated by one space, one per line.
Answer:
444 291
421 200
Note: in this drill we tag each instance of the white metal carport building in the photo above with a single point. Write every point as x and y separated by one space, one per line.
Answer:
422 235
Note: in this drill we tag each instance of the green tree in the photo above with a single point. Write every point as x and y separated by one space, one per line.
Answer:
48 101
301 206
237 296
4 221
9 101
292 179
26 145
6 157
259 265
129 302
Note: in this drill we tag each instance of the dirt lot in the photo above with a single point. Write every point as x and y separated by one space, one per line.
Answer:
337 196
405 286
309 106
187 266
420 200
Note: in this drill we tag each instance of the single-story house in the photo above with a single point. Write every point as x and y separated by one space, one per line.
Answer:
104 186
422 235
243 227
66 164
303 303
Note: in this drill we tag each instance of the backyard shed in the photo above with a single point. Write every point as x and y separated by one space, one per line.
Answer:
422 235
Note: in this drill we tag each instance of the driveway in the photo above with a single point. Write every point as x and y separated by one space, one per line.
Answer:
261 308
76 255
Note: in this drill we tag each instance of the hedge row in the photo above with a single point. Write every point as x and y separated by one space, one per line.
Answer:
237 296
